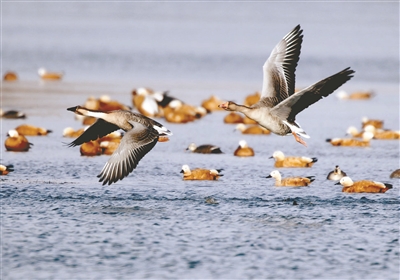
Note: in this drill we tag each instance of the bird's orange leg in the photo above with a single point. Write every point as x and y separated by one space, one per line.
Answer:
298 139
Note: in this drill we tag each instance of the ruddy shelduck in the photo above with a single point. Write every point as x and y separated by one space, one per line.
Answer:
233 117
212 103
72 133
5 169
200 173
383 134
10 76
282 161
17 142
375 122
363 186
46 75
253 129
90 149
31 130
351 142
290 181
243 150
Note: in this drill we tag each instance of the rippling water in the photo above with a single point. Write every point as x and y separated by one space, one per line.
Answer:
58 222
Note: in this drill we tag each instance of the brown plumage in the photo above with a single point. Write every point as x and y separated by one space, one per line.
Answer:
282 161
212 103
200 174
30 130
363 186
376 123
243 150
382 134
290 181
395 174
233 117
252 99
45 75
5 169
351 142
10 76
90 149
253 129
16 142
71 133
109 147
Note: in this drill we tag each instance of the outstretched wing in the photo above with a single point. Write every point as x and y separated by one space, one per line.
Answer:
135 144
290 107
97 130
279 69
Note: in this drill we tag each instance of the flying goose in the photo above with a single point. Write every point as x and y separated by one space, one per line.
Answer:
141 136
279 104
290 181
336 174
363 186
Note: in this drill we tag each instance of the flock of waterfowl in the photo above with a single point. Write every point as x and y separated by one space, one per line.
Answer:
274 110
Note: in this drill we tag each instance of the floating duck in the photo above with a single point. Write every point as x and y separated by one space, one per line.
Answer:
279 104
72 133
374 122
351 142
200 174
12 114
16 142
336 174
45 75
358 95
282 161
91 148
383 134
5 169
212 103
233 117
10 76
109 147
254 129
141 136
243 150
395 174
204 149
290 181
144 101
363 186
252 99
353 131
31 130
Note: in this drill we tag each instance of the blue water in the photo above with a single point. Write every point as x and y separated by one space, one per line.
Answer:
58 222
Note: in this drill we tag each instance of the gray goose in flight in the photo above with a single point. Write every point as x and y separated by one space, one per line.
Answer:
279 104
141 136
